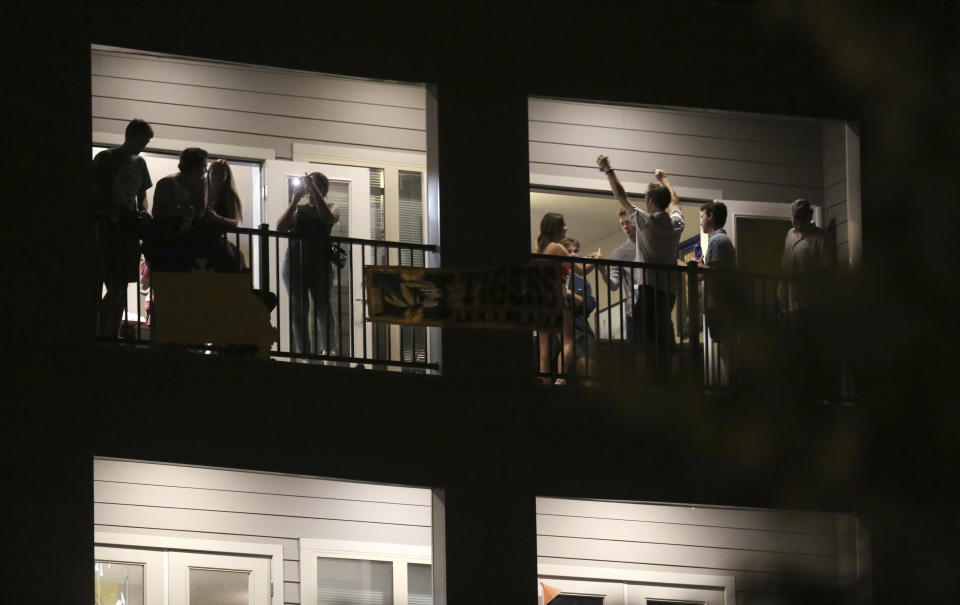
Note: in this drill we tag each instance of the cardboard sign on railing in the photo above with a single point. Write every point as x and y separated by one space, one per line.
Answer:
522 297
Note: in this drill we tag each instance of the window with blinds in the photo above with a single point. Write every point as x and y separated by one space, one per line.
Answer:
413 339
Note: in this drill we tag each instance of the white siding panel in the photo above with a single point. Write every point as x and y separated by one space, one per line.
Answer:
730 188
283 147
291 571
256 79
291 592
690 535
836 193
291 548
838 212
190 476
613 139
775 520
843 236
688 556
258 124
679 165
265 504
834 152
257 525
256 102
701 123
752 581
835 173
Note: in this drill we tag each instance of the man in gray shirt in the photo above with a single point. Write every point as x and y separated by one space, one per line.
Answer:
658 228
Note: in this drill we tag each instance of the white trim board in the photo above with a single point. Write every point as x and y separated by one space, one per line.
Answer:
365 156
176 146
236 547
600 185
725 583
407 551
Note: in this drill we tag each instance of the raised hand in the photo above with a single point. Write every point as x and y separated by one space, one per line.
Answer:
603 163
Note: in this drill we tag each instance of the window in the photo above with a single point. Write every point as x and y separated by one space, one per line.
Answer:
336 572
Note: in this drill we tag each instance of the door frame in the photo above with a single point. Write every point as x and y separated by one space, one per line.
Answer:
226 547
726 584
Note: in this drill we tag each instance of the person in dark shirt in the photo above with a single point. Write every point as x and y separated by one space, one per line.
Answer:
583 304
120 182
307 266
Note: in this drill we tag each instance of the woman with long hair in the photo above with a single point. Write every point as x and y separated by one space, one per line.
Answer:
308 268
222 196
553 228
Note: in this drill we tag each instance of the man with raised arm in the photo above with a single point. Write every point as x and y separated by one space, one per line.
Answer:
658 228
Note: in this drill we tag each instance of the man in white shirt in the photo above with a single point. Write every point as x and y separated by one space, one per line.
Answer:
658 228
617 277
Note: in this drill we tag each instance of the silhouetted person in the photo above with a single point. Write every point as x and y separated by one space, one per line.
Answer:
583 304
658 229
808 251
178 203
121 180
307 266
224 211
719 299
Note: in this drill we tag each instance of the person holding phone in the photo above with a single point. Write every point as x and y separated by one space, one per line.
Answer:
308 265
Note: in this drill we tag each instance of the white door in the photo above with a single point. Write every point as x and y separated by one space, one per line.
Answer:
582 592
129 576
207 579
350 190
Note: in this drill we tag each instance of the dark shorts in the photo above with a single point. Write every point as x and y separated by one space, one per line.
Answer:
652 326
584 344
118 252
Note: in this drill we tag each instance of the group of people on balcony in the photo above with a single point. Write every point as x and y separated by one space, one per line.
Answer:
653 233
184 231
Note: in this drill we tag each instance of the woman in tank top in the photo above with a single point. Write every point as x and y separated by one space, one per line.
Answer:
553 228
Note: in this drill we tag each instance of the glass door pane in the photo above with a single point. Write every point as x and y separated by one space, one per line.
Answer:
419 584
128 576
115 583
219 587
207 579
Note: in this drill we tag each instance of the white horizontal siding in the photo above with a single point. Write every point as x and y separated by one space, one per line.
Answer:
730 188
211 102
746 157
184 501
835 184
761 549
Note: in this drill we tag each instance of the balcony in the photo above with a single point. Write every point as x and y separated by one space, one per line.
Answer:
276 292
723 331
687 325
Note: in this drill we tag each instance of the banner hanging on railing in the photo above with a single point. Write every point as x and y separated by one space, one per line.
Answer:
523 297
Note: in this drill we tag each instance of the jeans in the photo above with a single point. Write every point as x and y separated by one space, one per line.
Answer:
308 276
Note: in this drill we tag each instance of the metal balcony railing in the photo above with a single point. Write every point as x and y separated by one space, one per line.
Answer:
688 324
315 292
